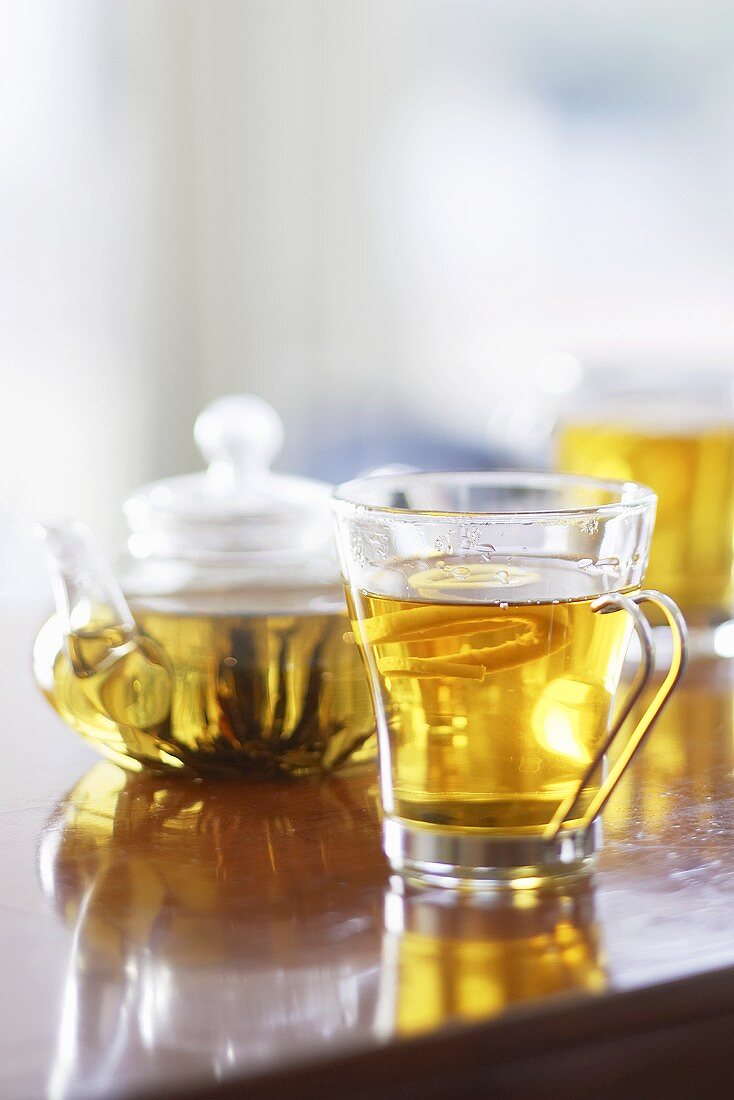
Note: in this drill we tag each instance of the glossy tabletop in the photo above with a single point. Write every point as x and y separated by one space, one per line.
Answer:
161 937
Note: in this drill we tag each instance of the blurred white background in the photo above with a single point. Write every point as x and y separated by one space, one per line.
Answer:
379 216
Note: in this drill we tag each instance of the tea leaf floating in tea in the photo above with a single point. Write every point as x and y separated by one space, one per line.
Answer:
531 636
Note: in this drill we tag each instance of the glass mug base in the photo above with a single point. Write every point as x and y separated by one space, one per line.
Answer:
482 862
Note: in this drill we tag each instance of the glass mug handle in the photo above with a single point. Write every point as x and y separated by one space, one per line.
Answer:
606 605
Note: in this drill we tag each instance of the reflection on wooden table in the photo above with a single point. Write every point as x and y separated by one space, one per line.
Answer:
453 957
686 766
222 926
219 922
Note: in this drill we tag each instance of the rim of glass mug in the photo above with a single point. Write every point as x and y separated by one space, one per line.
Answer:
624 497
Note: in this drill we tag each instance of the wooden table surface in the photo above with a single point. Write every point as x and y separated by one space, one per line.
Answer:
178 939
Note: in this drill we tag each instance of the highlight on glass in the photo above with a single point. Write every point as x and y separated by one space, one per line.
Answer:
493 613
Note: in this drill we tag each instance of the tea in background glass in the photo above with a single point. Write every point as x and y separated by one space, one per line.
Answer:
677 436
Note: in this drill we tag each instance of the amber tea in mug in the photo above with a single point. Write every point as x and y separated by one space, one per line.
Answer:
485 608
538 673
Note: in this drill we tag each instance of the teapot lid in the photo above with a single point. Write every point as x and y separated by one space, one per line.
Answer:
237 511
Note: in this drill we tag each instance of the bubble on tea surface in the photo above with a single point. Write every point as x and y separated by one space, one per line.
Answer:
479 576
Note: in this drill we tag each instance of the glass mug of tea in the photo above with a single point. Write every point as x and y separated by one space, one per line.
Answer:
493 613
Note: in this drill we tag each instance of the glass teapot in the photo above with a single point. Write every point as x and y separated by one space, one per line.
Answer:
223 649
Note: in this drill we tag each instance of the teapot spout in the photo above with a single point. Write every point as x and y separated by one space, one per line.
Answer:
105 667
86 594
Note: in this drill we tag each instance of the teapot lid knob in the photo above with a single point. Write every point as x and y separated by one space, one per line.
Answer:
239 509
239 436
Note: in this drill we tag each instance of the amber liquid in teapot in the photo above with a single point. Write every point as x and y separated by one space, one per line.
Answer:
214 694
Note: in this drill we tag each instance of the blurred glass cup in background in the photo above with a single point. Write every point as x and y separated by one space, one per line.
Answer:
624 418
677 435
